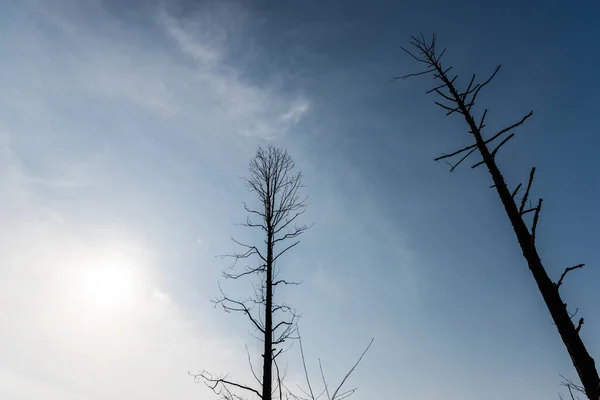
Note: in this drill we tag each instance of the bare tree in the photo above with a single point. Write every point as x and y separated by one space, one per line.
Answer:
461 102
277 186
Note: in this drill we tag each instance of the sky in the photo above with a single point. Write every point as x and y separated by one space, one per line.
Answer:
125 128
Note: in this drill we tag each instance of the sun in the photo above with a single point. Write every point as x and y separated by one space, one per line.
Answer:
108 286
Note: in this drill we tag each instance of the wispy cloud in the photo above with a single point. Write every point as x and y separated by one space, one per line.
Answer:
209 92
246 108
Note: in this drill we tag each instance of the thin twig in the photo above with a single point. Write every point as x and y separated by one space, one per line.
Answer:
567 270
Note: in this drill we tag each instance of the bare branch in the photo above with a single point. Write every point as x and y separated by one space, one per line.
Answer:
450 109
462 159
284 250
214 383
312 396
248 271
469 90
514 193
526 195
569 269
514 125
324 380
279 385
284 308
252 367
579 325
251 251
445 96
251 224
569 384
493 154
481 86
337 393
251 211
352 369
474 147
415 74
230 305
412 55
482 125
535 219
285 282
443 156
574 314
281 323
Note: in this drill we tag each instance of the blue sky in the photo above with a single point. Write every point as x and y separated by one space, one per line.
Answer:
124 131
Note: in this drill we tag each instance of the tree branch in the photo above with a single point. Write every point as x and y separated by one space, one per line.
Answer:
535 219
579 325
352 370
526 195
284 250
213 383
252 367
567 270
285 282
415 74
241 307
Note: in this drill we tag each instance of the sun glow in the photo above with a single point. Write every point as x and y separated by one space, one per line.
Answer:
109 286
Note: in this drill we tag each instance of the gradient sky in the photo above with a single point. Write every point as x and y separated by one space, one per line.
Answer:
124 131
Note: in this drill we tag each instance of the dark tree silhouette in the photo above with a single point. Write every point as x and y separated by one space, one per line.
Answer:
461 102
277 186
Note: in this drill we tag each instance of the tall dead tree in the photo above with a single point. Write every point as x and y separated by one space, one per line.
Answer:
277 186
461 102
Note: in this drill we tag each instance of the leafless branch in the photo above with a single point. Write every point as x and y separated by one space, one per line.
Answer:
230 305
352 369
283 281
481 86
574 314
217 384
415 74
493 154
567 270
526 195
521 122
570 385
312 395
514 193
284 250
248 271
324 380
252 367
279 380
337 393
535 219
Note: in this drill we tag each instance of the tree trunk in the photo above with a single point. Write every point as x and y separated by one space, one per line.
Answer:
268 353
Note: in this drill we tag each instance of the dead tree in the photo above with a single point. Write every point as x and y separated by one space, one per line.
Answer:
461 102
277 186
